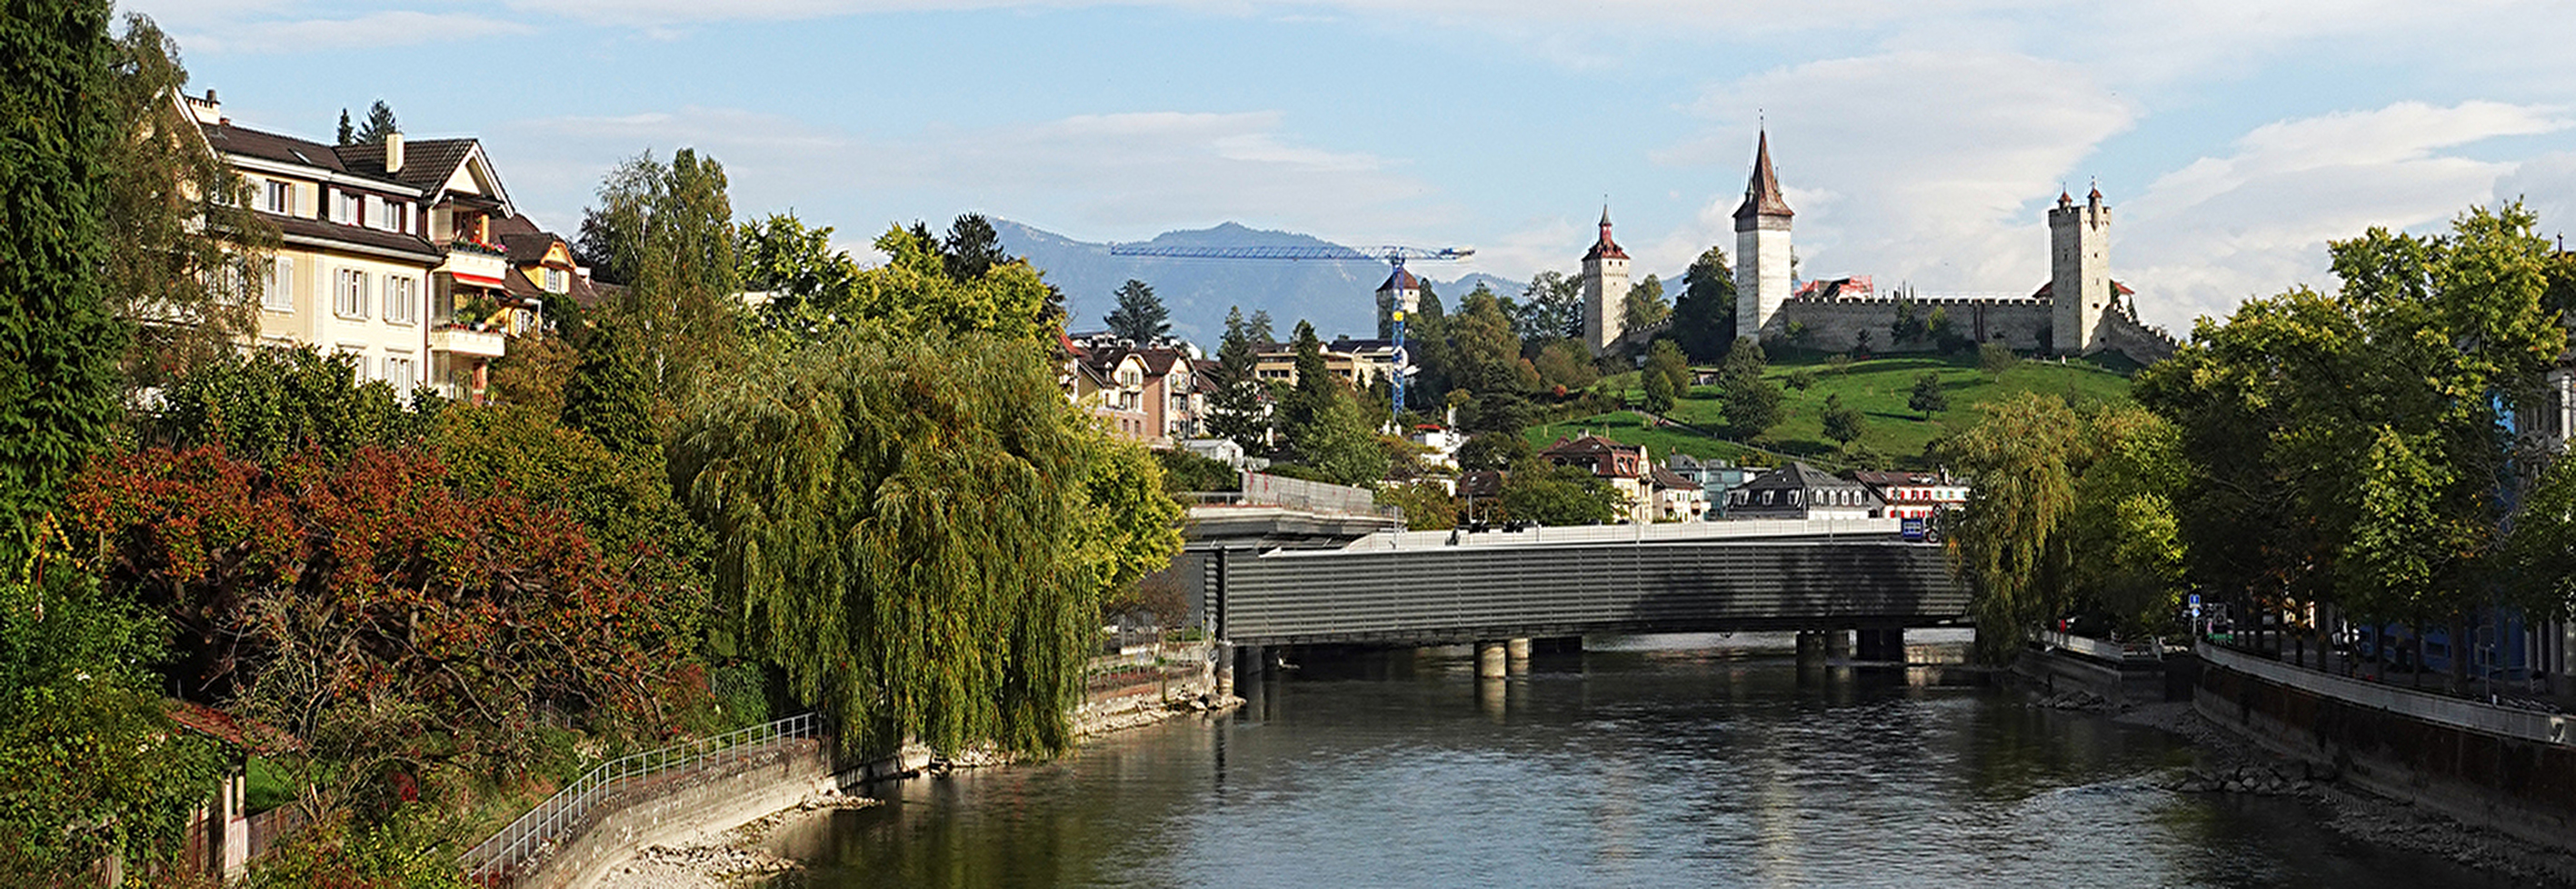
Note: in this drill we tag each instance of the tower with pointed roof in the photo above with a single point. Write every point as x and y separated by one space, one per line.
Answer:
1605 290
2079 284
1402 292
1761 247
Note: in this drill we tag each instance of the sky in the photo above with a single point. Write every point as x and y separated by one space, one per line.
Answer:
1920 141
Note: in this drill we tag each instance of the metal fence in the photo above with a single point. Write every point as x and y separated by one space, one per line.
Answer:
508 855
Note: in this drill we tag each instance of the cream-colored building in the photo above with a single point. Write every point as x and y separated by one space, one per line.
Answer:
387 252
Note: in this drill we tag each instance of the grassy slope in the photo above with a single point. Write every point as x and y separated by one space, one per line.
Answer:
1878 387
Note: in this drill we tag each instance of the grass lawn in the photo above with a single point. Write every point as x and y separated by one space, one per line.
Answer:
1879 388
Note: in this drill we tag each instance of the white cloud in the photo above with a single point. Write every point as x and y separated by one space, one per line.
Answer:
1107 175
375 29
2547 185
2221 229
1911 166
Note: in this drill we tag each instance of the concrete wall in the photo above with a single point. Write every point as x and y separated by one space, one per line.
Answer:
2525 786
1835 325
672 808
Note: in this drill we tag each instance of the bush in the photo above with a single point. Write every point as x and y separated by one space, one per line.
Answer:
1185 472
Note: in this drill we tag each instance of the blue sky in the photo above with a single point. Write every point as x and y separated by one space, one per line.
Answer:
1920 141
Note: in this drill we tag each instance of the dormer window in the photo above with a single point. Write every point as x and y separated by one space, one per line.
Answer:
347 208
278 197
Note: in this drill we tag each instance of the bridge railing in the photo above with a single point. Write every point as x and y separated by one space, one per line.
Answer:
1634 533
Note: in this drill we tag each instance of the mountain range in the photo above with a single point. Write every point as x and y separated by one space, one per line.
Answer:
1338 297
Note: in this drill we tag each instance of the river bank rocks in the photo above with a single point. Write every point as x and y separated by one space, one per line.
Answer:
722 859
2257 779
2083 701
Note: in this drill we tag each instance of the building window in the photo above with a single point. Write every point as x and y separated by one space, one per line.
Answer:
557 281
278 197
397 216
277 294
402 299
349 293
400 374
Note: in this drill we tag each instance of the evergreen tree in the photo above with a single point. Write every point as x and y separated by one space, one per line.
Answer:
611 396
1843 423
380 123
1485 352
1929 397
1140 317
1426 336
972 247
348 134
1664 359
1236 411
1704 316
1312 391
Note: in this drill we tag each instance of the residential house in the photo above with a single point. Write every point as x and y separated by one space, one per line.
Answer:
1623 466
1715 477
1915 495
1442 443
1148 395
1800 491
1677 499
352 271
1358 362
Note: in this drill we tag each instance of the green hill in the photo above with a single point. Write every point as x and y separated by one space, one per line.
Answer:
1878 387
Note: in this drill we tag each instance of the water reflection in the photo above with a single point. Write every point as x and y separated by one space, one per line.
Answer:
1638 762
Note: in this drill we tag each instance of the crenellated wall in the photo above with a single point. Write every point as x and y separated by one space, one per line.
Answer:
1835 325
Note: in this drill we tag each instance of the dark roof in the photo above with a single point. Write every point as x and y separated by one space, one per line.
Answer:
1400 280
245 733
1666 478
1876 478
1605 247
1481 483
297 226
1587 444
231 139
1762 194
1800 476
1681 460
427 163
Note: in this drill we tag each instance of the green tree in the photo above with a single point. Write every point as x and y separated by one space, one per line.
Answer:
1752 403
1559 495
1425 506
380 123
1928 397
1645 306
1426 336
666 231
972 248
1704 315
1486 351
1843 423
1140 317
348 134
183 241
913 291
1664 358
1994 358
1551 308
796 265
1567 364
1239 409
611 398
1659 393
1341 445
909 527
2006 544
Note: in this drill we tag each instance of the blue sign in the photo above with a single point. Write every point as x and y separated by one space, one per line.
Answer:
1913 528
2195 604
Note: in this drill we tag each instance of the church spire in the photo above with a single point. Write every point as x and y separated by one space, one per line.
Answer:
1605 247
1762 193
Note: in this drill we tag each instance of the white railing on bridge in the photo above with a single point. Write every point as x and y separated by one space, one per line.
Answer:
1663 532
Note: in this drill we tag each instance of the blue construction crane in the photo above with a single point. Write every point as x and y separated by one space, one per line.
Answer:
1394 256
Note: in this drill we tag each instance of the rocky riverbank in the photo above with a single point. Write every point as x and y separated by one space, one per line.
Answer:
721 859
2230 764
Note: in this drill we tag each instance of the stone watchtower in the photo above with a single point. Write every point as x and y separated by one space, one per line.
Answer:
1605 290
1402 292
1761 247
2079 265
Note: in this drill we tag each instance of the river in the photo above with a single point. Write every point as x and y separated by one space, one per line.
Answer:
1650 761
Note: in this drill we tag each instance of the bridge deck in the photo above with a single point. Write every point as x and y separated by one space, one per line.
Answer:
1446 594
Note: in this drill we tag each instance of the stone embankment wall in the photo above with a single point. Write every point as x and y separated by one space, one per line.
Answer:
670 809
2519 778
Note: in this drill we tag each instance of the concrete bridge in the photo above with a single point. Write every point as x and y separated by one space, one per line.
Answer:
1501 590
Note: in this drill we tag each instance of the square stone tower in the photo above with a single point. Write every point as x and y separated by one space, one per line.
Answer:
1761 247
2079 265
1605 290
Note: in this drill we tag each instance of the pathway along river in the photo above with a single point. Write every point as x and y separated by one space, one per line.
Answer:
1654 761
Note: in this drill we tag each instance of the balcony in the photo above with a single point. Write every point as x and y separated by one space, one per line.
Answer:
475 264
467 341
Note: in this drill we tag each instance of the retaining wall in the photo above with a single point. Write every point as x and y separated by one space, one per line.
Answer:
671 811
2509 770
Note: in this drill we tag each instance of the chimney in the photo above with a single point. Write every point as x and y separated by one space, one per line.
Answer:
393 152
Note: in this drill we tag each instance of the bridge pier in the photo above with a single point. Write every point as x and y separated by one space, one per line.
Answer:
1838 645
1224 654
1811 646
1557 645
1491 660
1884 646
1516 654
1250 661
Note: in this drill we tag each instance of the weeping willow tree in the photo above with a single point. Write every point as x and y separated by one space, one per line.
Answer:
917 530
2007 544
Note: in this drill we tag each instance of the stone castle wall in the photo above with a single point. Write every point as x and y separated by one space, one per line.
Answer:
1836 325
2128 336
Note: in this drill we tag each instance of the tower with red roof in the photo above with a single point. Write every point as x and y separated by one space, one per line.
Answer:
1605 290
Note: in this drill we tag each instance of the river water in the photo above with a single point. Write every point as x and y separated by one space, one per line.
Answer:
1651 761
